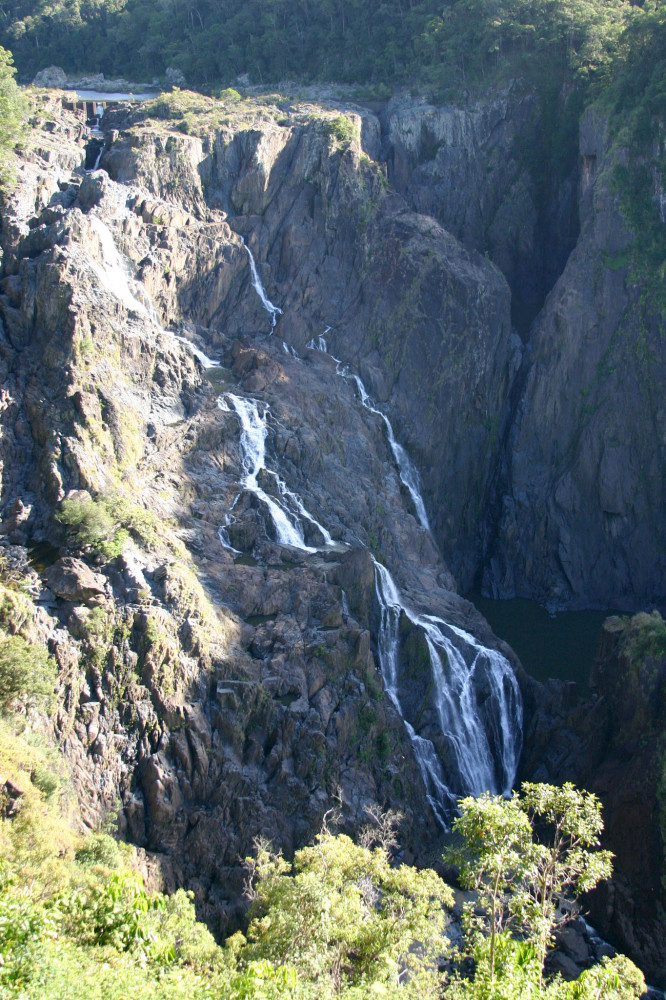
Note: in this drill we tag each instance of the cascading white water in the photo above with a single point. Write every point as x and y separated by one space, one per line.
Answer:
319 343
477 699
97 159
288 513
206 362
484 739
114 275
408 473
272 310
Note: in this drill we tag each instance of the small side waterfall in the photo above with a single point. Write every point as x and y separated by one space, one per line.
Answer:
319 343
476 697
408 473
97 159
287 513
272 310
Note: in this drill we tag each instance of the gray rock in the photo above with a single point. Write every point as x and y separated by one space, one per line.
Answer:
72 580
53 76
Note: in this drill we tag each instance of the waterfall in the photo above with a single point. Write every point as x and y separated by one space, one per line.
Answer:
476 697
115 276
476 694
319 343
97 159
272 310
206 362
409 475
287 513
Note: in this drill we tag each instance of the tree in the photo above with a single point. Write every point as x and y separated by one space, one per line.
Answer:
494 861
13 111
521 855
564 859
346 918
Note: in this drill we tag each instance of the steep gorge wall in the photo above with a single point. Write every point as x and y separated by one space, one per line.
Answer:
578 517
211 698
424 321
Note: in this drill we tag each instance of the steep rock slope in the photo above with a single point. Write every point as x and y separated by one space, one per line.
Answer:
579 515
211 695
476 169
424 322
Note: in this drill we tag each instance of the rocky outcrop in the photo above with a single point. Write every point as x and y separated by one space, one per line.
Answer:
472 169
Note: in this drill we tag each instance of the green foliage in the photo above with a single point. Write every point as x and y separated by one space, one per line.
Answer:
93 526
344 916
438 42
341 129
644 636
497 835
27 672
341 921
521 855
230 95
103 524
518 977
112 914
13 112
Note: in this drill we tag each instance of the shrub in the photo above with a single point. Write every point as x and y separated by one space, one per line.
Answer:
26 671
104 524
341 129
230 95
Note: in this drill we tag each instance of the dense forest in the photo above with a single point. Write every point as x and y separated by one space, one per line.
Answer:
436 43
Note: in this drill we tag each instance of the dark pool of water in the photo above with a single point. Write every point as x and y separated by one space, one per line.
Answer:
42 555
562 645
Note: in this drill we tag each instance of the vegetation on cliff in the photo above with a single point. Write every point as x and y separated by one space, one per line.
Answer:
13 108
341 920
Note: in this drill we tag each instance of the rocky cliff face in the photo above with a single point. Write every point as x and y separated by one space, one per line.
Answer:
216 689
539 476
578 512
219 686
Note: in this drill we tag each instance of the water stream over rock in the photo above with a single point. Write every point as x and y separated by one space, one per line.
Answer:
271 309
288 511
476 698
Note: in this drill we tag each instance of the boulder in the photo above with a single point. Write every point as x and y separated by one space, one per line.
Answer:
52 76
72 580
